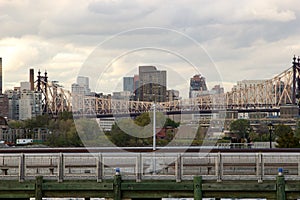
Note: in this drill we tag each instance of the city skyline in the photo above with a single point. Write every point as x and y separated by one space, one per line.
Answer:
258 39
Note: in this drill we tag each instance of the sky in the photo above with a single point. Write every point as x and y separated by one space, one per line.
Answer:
224 40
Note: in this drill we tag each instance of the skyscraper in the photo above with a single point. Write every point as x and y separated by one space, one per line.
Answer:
152 84
197 86
1 76
128 84
84 82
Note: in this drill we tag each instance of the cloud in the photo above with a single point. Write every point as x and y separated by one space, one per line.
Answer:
254 39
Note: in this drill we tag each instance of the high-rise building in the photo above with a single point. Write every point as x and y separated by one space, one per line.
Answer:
152 84
77 89
25 86
217 89
172 95
13 103
1 76
136 80
197 86
128 84
124 95
83 81
3 105
30 104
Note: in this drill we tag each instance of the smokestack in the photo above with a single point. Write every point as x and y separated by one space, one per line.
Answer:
31 79
0 75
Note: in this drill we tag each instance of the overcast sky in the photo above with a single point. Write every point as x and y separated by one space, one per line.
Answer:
225 40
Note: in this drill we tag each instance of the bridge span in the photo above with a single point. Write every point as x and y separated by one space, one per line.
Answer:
150 175
281 89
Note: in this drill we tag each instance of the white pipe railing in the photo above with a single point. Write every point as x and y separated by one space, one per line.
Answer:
140 166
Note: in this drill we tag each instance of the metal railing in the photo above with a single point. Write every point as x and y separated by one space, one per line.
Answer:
145 166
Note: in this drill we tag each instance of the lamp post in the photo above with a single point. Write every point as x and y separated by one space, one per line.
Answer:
154 127
271 127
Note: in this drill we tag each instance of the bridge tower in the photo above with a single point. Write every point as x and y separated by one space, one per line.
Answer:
42 84
296 80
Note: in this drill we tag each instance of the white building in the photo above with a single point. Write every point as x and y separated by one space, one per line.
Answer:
106 123
30 104
83 81
25 86
123 95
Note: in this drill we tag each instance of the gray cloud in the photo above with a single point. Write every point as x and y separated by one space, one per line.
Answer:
253 39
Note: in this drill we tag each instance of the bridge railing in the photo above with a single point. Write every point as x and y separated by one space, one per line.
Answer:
145 166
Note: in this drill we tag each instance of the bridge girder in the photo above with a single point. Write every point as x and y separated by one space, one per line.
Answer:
271 93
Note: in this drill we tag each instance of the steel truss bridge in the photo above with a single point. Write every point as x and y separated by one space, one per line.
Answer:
270 94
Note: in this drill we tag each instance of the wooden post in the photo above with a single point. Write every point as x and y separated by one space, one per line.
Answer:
61 167
280 188
178 168
117 186
39 188
138 167
22 167
219 167
197 187
99 168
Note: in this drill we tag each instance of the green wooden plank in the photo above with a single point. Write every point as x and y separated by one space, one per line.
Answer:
16 194
292 186
233 194
239 186
156 186
157 194
293 195
91 185
16 185
78 194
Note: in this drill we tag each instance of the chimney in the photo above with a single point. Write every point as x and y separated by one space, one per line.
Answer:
31 79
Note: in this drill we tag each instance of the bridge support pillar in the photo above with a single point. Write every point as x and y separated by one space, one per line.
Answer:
280 188
198 188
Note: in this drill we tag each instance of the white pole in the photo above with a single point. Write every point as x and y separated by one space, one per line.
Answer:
154 127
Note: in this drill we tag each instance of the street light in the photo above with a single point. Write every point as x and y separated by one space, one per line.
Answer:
154 127
271 128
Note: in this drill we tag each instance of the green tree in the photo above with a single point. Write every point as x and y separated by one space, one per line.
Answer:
285 137
143 119
281 130
241 127
139 132
170 123
63 134
16 124
297 130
